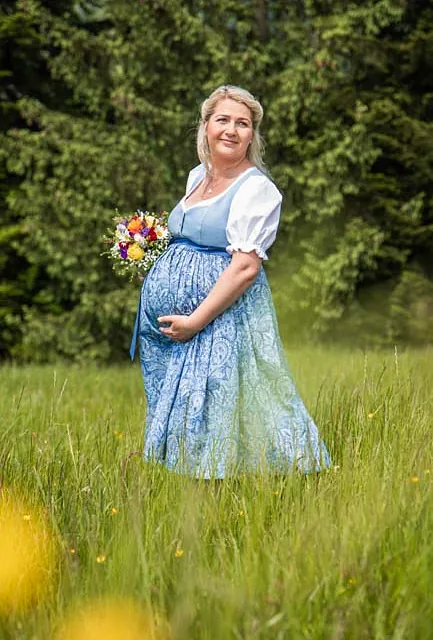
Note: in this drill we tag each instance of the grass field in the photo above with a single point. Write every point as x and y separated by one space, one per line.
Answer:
348 554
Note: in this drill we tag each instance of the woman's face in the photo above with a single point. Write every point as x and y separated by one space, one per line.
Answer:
229 131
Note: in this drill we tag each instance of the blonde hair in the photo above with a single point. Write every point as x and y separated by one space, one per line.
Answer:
256 148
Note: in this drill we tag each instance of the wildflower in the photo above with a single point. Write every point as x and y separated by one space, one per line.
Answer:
371 414
414 479
352 581
276 493
152 235
161 232
27 556
150 220
241 513
178 553
114 511
139 239
72 551
135 252
101 558
111 619
135 225
123 248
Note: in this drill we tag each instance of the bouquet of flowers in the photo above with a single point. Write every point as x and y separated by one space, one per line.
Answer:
137 241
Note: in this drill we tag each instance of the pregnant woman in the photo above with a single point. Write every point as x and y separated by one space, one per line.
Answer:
220 396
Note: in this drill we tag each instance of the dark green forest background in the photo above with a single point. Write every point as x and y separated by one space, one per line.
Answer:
99 104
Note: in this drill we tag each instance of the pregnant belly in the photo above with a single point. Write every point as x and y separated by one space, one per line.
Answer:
177 283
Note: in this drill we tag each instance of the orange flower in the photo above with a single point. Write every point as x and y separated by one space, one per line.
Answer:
135 225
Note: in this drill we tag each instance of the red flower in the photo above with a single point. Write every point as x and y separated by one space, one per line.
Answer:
152 235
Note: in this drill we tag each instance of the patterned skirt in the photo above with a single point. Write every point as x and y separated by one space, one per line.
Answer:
225 401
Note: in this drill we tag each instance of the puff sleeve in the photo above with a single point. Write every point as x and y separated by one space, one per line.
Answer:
254 216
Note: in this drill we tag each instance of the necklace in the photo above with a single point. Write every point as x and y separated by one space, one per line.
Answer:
212 182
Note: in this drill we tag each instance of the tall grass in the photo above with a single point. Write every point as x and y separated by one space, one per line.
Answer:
346 554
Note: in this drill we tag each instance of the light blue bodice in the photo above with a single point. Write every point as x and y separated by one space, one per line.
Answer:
205 222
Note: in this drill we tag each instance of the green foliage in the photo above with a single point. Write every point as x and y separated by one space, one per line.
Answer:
352 122
105 117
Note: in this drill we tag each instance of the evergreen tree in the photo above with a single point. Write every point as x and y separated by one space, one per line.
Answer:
105 118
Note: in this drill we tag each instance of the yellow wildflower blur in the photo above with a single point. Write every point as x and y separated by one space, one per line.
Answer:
27 556
135 252
113 620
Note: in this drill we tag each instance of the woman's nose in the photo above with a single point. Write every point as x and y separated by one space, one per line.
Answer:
230 127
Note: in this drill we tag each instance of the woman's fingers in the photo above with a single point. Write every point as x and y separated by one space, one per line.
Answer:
178 330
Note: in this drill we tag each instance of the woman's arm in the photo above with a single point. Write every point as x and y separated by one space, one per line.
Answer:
239 275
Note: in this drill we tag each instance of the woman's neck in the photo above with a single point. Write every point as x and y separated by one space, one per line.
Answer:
227 170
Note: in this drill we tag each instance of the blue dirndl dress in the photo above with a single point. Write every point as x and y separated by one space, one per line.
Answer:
224 401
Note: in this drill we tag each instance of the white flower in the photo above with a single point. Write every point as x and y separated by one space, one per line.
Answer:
161 232
139 239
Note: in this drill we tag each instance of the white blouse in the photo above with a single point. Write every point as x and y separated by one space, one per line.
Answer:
254 212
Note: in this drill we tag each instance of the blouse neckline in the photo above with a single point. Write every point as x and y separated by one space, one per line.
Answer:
206 201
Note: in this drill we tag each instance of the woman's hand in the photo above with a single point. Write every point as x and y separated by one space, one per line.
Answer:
181 328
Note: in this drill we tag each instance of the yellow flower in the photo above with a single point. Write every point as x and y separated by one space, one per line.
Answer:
178 553
135 252
72 551
414 479
241 512
27 555
371 415
111 619
101 558
150 221
114 511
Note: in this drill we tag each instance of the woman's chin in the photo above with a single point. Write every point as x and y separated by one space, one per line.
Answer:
227 153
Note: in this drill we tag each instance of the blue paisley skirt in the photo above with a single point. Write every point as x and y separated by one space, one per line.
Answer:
225 401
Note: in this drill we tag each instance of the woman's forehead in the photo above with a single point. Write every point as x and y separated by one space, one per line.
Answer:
227 106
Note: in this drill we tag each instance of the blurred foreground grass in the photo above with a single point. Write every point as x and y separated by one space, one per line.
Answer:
346 555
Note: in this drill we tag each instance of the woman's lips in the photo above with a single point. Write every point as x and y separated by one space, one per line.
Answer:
230 142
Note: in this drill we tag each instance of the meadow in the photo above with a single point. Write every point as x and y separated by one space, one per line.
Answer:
345 554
